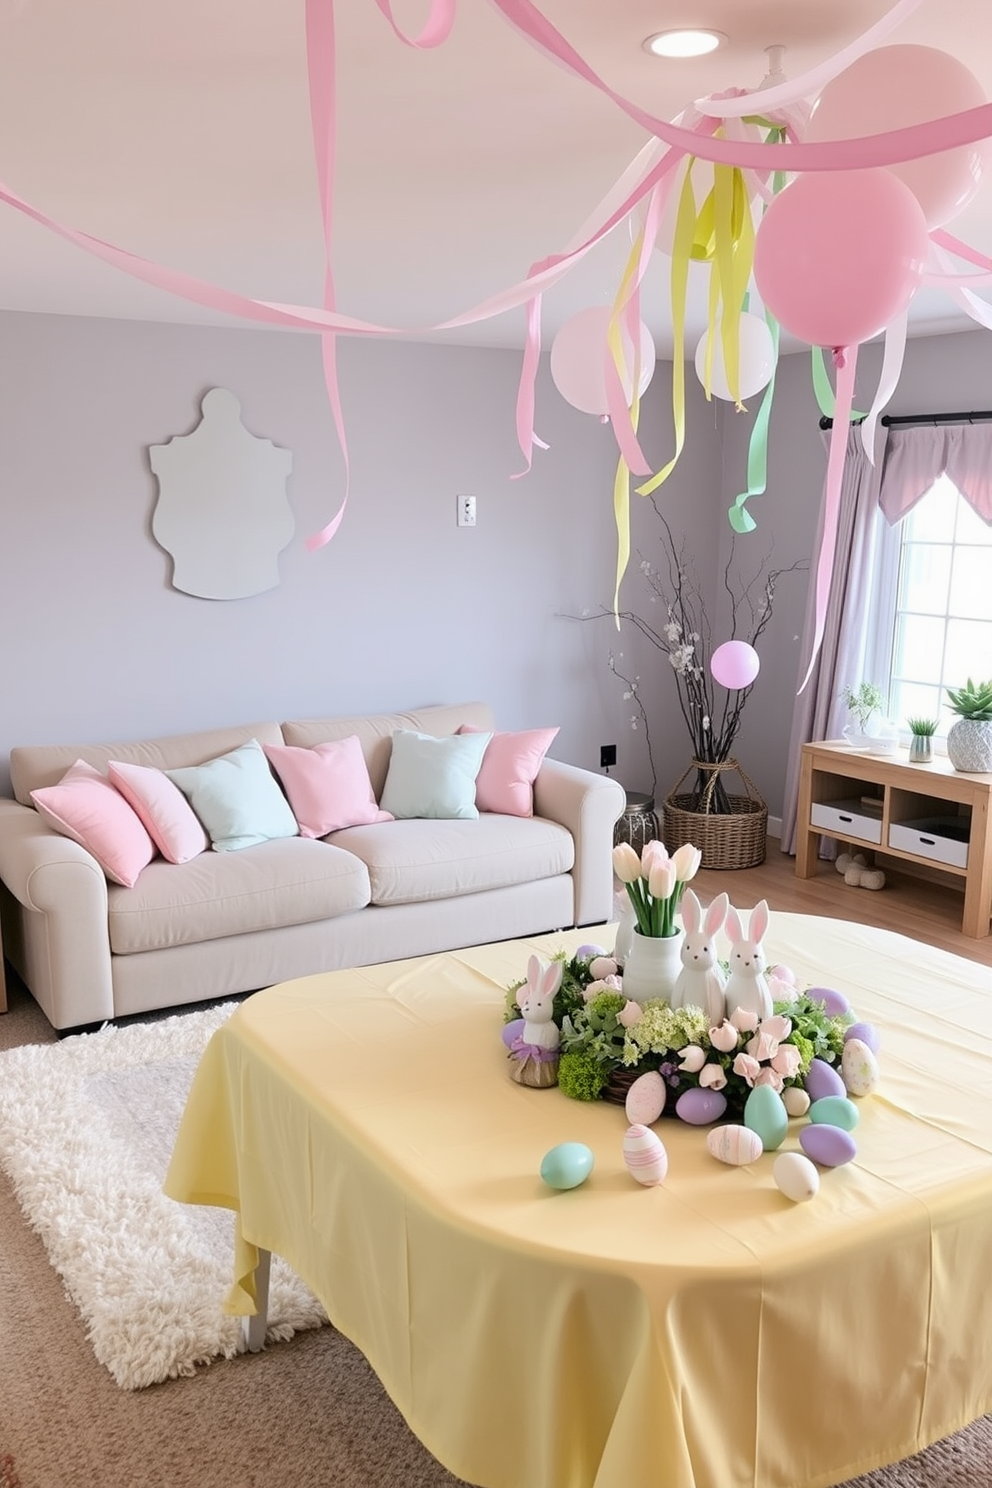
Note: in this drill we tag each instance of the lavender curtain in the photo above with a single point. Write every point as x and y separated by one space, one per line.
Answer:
818 712
915 457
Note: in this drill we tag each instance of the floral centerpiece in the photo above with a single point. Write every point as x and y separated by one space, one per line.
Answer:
607 1040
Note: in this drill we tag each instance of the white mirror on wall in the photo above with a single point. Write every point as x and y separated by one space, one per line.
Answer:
222 510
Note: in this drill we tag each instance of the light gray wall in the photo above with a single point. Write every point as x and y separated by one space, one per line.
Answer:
401 608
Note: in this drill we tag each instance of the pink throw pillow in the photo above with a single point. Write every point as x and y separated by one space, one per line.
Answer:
327 786
505 783
164 811
86 807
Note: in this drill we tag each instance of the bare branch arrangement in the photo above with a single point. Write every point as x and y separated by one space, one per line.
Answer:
685 639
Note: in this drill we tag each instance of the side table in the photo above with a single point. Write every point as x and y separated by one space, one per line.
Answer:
638 824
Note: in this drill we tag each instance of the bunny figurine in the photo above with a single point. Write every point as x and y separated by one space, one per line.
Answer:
746 987
536 1001
701 981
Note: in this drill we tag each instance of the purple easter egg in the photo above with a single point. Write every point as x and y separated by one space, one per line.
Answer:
866 1032
512 1031
830 1146
589 952
700 1107
834 1002
823 1080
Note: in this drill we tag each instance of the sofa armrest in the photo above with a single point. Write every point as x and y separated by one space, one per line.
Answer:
589 805
63 948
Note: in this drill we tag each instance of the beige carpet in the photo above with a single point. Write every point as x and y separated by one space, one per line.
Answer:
308 1413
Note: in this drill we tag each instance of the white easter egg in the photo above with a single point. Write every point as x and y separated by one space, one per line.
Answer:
735 1145
795 1100
644 1155
859 1068
796 1176
646 1099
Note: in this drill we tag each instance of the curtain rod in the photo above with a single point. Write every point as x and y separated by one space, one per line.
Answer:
892 420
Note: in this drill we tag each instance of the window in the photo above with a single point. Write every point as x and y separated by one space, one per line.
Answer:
933 605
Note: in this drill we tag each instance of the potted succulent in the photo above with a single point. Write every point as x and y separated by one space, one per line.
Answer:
969 741
921 744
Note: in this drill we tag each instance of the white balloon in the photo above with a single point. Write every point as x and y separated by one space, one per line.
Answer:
756 359
578 360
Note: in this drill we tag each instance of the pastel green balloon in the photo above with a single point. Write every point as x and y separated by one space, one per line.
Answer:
567 1165
765 1114
835 1110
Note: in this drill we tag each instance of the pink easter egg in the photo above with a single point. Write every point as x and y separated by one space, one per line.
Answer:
700 1107
644 1155
646 1099
735 1145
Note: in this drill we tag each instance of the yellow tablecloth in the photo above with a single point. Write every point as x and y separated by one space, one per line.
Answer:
703 1334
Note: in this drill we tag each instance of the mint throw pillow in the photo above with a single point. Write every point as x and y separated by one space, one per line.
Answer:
237 798
431 777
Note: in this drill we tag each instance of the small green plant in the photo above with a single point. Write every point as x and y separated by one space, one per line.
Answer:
862 701
925 727
973 701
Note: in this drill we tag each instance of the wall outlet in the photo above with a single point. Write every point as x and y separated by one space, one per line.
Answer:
607 756
466 511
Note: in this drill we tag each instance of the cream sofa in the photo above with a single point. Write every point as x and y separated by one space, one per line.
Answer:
228 923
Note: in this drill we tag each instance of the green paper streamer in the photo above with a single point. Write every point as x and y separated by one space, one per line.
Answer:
740 518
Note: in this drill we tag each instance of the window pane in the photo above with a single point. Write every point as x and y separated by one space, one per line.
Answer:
932 518
924 578
913 700
971 584
971 528
918 651
969 652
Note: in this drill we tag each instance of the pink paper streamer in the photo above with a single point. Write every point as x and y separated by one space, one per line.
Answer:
891 148
322 75
845 360
437 27
763 99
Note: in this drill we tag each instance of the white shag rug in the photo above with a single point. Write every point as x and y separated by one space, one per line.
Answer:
87 1128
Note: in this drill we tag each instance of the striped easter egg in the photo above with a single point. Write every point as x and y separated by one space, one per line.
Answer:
644 1155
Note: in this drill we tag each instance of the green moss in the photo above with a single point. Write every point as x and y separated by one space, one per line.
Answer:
581 1076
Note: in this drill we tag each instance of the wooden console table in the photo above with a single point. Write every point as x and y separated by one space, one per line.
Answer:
928 813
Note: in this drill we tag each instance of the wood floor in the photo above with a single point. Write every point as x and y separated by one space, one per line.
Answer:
924 911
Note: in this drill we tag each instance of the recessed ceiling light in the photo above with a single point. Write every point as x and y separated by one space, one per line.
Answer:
684 43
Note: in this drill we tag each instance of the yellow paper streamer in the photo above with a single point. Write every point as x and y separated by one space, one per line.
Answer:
621 481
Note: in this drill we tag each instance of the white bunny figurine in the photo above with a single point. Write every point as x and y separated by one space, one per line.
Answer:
536 1001
746 987
701 981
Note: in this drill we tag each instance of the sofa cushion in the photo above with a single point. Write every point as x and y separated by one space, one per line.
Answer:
328 785
165 813
509 768
292 881
85 807
433 777
237 798
412 861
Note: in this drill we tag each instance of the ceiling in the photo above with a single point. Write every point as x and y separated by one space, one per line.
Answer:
181 132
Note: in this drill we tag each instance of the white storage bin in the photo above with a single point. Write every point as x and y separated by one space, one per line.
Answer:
846 819
931 840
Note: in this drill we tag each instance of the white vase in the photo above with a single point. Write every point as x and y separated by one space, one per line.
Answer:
969 746
652 966
625 928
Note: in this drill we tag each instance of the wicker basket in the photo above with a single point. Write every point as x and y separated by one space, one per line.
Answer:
619 1083
734 839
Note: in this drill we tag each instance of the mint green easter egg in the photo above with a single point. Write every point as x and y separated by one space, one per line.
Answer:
765 1114
567 1165
835 1110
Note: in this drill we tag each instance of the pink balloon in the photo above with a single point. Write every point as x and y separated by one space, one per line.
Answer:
891 88
578 355
839 254
734 665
